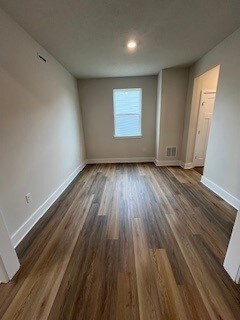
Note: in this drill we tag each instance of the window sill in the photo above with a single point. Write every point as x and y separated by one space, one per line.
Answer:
128 137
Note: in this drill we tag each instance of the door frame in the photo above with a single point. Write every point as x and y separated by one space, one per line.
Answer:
232 258
9 263
199 106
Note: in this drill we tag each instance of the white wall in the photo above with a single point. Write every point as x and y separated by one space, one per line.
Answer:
223 152
96 98
41 136
172 92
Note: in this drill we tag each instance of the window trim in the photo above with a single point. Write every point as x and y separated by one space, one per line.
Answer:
140 114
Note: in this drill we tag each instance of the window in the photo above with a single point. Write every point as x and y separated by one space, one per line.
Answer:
127 105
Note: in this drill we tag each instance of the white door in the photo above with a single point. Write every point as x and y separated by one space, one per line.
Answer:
9 263
204 123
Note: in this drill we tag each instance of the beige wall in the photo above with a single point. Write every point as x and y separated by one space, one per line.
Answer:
41 137
158 115
223 152
96 98
173 84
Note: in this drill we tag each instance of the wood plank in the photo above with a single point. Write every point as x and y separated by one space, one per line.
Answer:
113 217
127 308
127 241
35 298
193 303
170 299
149 306
209 291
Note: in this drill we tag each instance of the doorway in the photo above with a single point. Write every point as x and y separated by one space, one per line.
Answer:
206 87
203 127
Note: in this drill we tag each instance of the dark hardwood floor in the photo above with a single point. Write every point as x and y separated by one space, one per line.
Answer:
127 241
199 170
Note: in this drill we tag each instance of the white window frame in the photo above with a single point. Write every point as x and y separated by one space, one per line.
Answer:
140 116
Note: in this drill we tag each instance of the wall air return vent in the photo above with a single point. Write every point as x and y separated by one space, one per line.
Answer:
171 151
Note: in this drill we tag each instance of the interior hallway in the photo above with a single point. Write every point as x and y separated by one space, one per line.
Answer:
127 241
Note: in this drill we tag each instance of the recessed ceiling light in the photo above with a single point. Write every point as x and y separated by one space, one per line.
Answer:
131 44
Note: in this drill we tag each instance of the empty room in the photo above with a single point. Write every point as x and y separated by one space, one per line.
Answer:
119 160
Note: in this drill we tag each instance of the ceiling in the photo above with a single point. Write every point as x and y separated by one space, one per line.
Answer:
89 36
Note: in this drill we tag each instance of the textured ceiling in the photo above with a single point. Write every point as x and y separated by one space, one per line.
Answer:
89 36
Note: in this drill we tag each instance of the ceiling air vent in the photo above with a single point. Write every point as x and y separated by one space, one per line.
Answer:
171 151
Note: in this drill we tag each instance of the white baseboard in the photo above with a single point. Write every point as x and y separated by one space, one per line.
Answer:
169 163
221 192
162 163
166 163
185 165
121 160
33 219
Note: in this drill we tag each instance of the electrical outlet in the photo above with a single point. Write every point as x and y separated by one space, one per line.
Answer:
28 198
